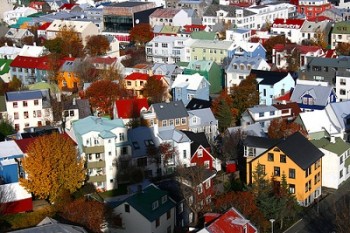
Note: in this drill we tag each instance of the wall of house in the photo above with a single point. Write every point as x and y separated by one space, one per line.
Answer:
182 19
68 80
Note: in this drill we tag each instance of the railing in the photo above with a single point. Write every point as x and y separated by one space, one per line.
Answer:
93 149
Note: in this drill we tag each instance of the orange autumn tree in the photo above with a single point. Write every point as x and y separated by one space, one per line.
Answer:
141 34
52 166
281 128
97 45
155 90
102 94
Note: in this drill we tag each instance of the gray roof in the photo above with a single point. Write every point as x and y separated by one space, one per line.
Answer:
205 114
253 129
316 26
171 110
83 105
23 95
213 8
340 62
49 225
253 61
262 108
319 93
69 66
260 142
341 110
139 138
173 134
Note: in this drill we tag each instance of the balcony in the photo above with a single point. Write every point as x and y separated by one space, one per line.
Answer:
101 178
98 164
93 149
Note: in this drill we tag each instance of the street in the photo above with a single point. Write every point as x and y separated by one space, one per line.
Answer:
321 217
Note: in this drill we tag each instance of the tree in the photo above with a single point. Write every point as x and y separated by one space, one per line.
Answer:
54 45
223 110
293 60
245 95
168 153
6 40
343 49
85 71
6 129
231 145
97 45
141 34
52 166
321 39
15 84
28 40
102 94
155 90
281 128
271 42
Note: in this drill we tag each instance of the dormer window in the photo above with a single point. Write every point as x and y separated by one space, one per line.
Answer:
200 153
155 205
164 199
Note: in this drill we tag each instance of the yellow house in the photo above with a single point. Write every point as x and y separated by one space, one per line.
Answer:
67 78
299 160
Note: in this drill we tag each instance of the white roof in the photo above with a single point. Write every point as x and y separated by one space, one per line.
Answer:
32 51
248 46
9 148
167 39
9 50
192 82
78 26
21 9
14 192
322 123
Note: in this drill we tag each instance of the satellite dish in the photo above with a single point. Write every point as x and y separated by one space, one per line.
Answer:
137 21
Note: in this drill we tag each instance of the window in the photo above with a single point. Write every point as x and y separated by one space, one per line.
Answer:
317 164
270 157
142 162
157 222
184 154
261 114
183 121
164 45
308 172
155 205
206 164
15 115
292 188
199 189
190 218
168 214
341 160
38 113
163 123
276 171
272 113
15 104
177 121
26 115
121 137
207 184
128 83
292 173
283 158
98 155
164 199
341 173
200 153
171 122
127 208
71 113
25 104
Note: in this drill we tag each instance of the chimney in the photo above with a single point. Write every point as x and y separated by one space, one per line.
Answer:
34 43
74 101
6 44
332 139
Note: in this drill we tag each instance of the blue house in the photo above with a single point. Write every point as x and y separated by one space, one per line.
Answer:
272 85
10 155
248 49
186 87
313 97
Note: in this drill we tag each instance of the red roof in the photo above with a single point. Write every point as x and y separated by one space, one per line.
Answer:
35 4
104 60
40 63
130 108
285 97
330 53
67 6
231 221
137 76
44 26
288 23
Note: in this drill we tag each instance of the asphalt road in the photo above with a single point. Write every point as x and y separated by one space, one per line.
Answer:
320 218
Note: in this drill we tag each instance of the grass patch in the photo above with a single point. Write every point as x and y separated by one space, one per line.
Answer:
121 190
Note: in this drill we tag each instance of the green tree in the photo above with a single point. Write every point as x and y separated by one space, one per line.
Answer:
52 166
6 129
223 110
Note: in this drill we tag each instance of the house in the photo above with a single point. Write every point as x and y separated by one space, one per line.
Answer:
240 67
197 140
212 72
68 79
272 84
197 6
312 8
172 114
33 51
255 145
335 162
94 14
263 114
40 6
17 34
291 28
231 221
166 49
301 165
41 31
313 29
169 71
340 33
56 4
11 16
151 209
248 49
238 34
75 110
114 47
29 108
203 158
313 97
9 52
14 198
342 85
83 29
281 53
324 69
141 139
203 120
51 225
70 7
185 87
166 17
104 144
130 109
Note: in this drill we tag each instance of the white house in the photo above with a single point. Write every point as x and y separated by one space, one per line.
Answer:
29 108
335 162
11 17
150 210
166 49
238 34
342 85
9 52
33 51
104 145
203 120
83 28
291 28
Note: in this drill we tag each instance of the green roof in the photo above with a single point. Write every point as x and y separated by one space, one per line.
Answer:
5 66
38 14
341 28
338 147
182 63
143 202
203 35
44 85
170 29
20 21
2 104
200 65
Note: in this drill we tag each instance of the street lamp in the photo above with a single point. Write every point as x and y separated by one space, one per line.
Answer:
272 221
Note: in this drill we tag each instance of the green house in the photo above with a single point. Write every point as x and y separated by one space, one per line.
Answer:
210 70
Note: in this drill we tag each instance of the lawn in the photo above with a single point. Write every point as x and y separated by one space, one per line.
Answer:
121 190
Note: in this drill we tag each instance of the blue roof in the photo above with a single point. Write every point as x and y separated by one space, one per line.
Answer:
23 95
